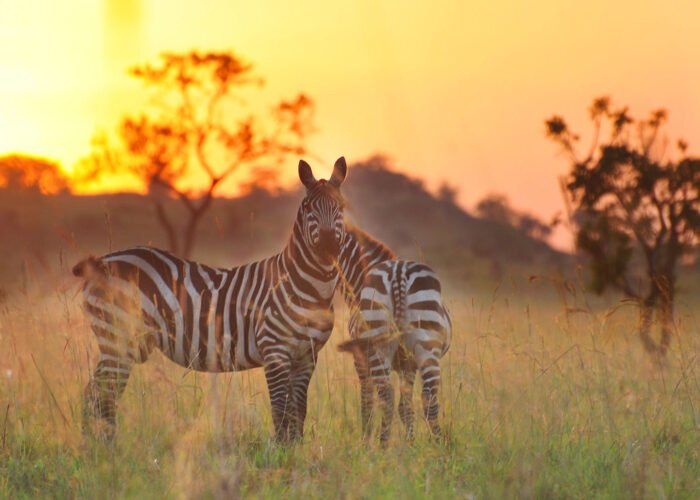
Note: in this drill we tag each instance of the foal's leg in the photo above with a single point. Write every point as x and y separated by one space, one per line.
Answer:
429 366
380 373
366 390
407 376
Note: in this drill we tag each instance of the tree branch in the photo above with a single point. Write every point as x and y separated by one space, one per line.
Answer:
168 226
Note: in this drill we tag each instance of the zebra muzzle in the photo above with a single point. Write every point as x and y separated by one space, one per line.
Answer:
327 247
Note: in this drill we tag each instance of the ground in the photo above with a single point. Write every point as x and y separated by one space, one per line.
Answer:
547 394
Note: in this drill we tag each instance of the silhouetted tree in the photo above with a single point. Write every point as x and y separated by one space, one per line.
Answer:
631 201
496 207
29 173
447 193
534 227
199 128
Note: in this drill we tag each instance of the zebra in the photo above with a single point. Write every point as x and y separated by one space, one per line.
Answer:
275 313
399 321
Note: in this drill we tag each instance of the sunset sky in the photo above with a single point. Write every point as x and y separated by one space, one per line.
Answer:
453 91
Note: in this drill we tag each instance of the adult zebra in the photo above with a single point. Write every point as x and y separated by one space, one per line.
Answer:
398 321
275 313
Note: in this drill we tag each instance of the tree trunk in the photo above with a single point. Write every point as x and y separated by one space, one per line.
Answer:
646 315
188 239
196 213
659 300
165 223
666 320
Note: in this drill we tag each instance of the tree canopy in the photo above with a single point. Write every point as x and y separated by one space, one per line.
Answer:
199 127
633 202
30 173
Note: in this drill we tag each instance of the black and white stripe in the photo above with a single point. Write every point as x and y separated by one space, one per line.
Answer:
275 313
399 321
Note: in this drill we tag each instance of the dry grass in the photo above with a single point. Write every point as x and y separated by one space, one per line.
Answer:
544 396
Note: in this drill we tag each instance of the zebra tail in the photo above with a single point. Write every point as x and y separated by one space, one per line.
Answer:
92 267
398 294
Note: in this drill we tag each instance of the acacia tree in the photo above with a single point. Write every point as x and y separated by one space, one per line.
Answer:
198 126
636 212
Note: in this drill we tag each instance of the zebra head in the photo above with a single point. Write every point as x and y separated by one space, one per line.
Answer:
321 211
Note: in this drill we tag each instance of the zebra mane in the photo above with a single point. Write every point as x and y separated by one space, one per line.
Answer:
369 243
325 188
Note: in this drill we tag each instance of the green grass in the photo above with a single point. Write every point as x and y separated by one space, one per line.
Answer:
544 396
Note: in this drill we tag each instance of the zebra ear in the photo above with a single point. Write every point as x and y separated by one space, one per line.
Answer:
305 175
339 170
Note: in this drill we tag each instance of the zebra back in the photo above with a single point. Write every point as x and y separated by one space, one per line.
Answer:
403 298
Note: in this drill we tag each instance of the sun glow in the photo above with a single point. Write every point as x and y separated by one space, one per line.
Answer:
451 90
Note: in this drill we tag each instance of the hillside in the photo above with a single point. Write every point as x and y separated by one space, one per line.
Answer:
46 234
402 212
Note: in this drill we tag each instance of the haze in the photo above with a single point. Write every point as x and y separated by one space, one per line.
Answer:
454 91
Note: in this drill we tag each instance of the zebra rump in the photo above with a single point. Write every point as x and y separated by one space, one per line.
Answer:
392 280
399 323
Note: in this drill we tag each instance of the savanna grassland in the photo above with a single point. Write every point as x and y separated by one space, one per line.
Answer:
547 394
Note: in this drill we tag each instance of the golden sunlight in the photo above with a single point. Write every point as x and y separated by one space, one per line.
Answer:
450 90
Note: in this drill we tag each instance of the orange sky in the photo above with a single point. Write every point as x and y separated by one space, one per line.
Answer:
450 90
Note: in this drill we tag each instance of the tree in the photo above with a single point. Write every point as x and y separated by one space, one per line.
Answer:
29 173
632 204
496 207
533 227
447 193
198 127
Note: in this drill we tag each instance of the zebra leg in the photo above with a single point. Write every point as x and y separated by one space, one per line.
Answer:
302 370
366 391
430 374
104 389
408 377
278 375
380 371
120 347
386 396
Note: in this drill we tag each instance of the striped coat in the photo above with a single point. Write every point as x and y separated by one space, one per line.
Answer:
275 313
398 321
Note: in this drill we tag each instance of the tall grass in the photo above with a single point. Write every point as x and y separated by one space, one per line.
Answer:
545 395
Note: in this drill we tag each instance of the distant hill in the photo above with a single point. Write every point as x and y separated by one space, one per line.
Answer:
399 210
47 234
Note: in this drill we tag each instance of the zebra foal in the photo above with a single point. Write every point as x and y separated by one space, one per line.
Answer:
275 313
398 322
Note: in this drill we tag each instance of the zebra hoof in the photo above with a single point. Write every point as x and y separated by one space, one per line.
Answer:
99 430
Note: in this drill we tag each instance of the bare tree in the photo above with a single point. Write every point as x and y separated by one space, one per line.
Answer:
632 203
198 126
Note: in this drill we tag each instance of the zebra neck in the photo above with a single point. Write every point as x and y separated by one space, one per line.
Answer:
359 255
311 280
